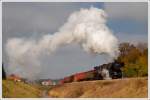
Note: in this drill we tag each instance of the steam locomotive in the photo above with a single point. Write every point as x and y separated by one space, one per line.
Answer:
102 72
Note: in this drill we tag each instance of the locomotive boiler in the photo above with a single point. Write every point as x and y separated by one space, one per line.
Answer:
110 70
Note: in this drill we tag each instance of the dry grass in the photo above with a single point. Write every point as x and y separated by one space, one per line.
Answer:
122 88
13 89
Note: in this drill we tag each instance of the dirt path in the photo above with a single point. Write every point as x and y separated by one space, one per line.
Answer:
45 94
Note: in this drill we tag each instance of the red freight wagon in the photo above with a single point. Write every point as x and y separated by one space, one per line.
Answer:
61 82
68 79
89 75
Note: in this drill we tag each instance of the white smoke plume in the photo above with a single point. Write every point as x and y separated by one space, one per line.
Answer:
86 27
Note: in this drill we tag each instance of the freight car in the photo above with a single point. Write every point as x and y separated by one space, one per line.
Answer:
102 72
67 79
89 75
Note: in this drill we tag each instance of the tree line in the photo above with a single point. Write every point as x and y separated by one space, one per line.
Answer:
135 58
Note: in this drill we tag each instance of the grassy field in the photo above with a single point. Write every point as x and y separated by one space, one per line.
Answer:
119 88
130 87
11 89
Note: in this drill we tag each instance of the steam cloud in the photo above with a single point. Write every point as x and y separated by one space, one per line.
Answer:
86 27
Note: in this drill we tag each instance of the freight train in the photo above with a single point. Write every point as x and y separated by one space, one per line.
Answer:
101 72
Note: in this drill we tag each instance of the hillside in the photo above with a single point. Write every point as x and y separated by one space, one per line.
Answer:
130 87
13 89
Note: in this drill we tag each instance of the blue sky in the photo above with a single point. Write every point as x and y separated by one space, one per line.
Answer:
128 21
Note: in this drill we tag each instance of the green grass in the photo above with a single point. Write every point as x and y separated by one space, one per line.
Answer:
11 89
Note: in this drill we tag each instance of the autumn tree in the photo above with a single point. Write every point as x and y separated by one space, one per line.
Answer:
135 59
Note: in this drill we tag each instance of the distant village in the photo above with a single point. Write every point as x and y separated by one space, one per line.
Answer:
45 82
17 78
